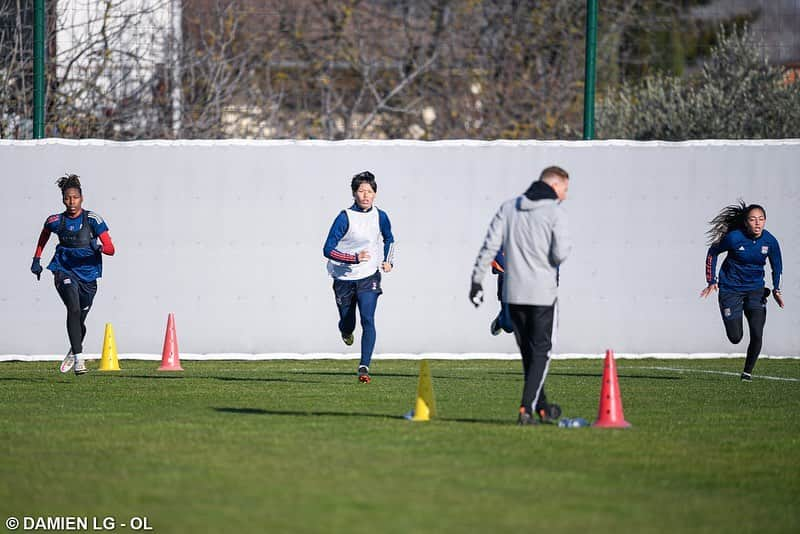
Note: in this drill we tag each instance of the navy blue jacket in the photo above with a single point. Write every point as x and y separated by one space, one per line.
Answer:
743 268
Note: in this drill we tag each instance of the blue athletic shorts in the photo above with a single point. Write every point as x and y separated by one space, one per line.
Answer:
346 290
733 303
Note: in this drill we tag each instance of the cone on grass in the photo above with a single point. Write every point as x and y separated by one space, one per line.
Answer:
170 359
109 360
425 406
610 414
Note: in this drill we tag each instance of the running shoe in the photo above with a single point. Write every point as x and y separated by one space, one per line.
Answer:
68 362
550 413
80 367
525 419
363 374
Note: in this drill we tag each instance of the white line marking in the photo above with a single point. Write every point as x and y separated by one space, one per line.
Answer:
728 373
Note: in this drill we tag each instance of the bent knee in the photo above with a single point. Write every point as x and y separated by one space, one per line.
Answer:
735 337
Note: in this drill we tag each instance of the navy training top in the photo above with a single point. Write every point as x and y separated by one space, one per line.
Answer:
83 262
743 268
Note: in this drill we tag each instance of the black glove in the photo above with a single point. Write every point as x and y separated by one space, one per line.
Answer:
476 294
36 268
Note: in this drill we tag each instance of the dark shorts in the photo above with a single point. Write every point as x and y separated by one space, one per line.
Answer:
733 303
68 284
347 290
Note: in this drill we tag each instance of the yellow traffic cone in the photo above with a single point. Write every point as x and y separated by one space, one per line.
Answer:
425 407
109 360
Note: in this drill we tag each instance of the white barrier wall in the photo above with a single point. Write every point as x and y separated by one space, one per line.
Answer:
229 235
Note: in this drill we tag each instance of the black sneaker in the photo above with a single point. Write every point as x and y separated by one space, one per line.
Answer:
747 377
525 418
495 328
550 413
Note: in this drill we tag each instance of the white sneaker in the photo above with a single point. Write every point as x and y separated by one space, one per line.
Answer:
80 367
68 362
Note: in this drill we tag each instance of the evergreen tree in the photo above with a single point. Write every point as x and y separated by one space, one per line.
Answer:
737 95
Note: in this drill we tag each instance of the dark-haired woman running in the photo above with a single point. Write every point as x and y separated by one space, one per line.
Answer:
76 264
359 246
739 231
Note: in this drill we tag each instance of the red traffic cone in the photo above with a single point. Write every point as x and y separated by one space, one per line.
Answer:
610 413
170 360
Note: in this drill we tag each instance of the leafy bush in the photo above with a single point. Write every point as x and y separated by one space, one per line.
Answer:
737 95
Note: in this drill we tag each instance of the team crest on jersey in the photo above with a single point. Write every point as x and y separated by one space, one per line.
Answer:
765 249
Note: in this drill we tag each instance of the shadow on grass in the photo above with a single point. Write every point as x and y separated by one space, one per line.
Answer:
223 378
169 377
317 413
351 373
252 379
378 375
19 379
49 379
313 413
500 422
619 375
593 375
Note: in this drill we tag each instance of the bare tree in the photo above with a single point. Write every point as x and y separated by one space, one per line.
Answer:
329 69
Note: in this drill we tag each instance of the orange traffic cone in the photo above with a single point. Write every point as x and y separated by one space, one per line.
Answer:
610 413
170 360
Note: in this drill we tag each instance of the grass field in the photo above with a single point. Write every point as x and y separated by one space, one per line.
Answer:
300 446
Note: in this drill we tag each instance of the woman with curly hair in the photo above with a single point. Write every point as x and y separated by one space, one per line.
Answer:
76 264
738 230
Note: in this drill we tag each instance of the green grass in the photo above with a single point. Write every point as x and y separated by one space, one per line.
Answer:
291 446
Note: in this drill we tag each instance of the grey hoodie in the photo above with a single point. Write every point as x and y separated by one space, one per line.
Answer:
535 240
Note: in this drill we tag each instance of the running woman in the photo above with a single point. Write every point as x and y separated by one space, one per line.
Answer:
739 231
76 264
359 245
503 320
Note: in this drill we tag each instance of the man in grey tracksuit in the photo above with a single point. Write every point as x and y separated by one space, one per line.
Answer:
532 229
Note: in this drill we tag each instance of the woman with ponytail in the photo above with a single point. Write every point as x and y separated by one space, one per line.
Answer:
76 264
738 230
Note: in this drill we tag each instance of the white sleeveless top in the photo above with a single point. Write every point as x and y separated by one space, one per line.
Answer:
363 233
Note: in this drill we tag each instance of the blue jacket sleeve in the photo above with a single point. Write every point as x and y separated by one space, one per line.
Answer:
711 259
388 237
776 262
499 262
338 230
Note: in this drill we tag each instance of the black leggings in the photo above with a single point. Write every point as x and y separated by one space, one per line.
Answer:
755 310
77 296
